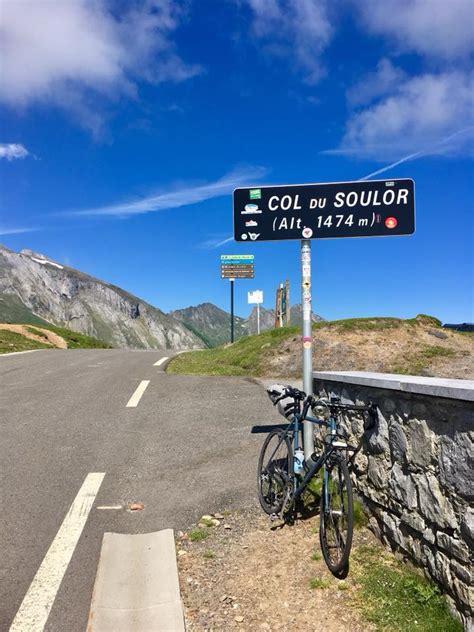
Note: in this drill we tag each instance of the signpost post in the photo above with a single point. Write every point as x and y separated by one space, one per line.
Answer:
236 267
256 298
370 208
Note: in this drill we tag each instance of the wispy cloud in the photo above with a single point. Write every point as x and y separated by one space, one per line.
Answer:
15 231
183 196
217 242
420 111
13 151
433 150
296 30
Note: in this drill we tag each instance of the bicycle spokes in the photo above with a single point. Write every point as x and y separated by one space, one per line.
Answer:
336 517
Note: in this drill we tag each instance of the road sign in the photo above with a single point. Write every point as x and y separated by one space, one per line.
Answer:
237 274
237 266
371 208
255 297
238 258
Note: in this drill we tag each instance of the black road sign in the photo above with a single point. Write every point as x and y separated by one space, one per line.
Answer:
371 208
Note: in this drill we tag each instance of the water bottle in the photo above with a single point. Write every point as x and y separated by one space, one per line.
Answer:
298 461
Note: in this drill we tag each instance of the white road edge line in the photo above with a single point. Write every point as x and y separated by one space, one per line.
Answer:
38 601
137 395
12 353
160 362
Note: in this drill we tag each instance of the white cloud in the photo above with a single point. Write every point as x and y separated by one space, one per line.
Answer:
15 231
184 196
62 52
376 84
426 113
215 242
12 151
296 29
440 28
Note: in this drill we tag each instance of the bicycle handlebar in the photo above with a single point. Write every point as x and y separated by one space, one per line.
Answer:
333 403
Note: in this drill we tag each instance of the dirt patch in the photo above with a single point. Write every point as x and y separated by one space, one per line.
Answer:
415 349
245 576
43 335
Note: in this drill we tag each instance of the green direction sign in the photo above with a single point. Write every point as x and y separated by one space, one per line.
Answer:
240 258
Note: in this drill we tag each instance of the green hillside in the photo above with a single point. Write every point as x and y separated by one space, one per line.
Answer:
415 346
12 310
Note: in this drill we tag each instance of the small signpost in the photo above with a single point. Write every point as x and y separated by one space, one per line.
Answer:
371 208
256 298
236 267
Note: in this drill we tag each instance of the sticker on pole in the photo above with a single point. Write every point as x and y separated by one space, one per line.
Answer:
371 208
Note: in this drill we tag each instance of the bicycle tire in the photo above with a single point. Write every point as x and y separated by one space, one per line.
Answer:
273 475
336 524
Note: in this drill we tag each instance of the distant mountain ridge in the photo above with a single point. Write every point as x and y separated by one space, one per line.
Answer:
212 324
35 289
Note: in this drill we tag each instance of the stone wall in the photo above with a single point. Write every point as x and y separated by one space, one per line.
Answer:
415 471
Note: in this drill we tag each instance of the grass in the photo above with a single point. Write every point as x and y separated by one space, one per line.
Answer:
422 358
11 341
197 535
361 519
247 356
12 310
316 556
360 324
76 340
209 555
207 522
319 582
394 596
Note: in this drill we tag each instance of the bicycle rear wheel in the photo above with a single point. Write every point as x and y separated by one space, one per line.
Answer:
336 516
275 470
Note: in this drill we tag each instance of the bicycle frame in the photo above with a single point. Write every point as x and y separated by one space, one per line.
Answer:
324 456
329 446
331 425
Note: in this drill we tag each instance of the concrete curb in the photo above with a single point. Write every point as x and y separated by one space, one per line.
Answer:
435 386
136 586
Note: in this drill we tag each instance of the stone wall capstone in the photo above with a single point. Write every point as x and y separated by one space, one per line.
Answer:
415 471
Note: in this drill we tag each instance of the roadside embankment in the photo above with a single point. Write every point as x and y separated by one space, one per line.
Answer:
236 573
417 346
26 337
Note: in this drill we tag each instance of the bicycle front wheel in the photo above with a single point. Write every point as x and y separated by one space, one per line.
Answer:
336 516
275 469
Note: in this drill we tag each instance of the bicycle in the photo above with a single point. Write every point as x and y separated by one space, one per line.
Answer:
284 475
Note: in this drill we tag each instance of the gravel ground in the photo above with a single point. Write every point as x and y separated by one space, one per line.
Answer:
246 576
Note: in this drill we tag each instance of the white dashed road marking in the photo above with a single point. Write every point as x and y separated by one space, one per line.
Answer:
137 395
160 362
38 601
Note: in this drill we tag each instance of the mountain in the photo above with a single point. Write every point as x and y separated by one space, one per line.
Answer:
267 320
296 315
212 324
36 289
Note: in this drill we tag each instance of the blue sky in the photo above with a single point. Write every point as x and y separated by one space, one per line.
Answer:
125 127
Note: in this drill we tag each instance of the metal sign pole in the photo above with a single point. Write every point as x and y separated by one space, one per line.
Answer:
308 441
258 318
232 310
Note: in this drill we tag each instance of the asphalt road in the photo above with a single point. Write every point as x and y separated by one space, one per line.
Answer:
185 449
